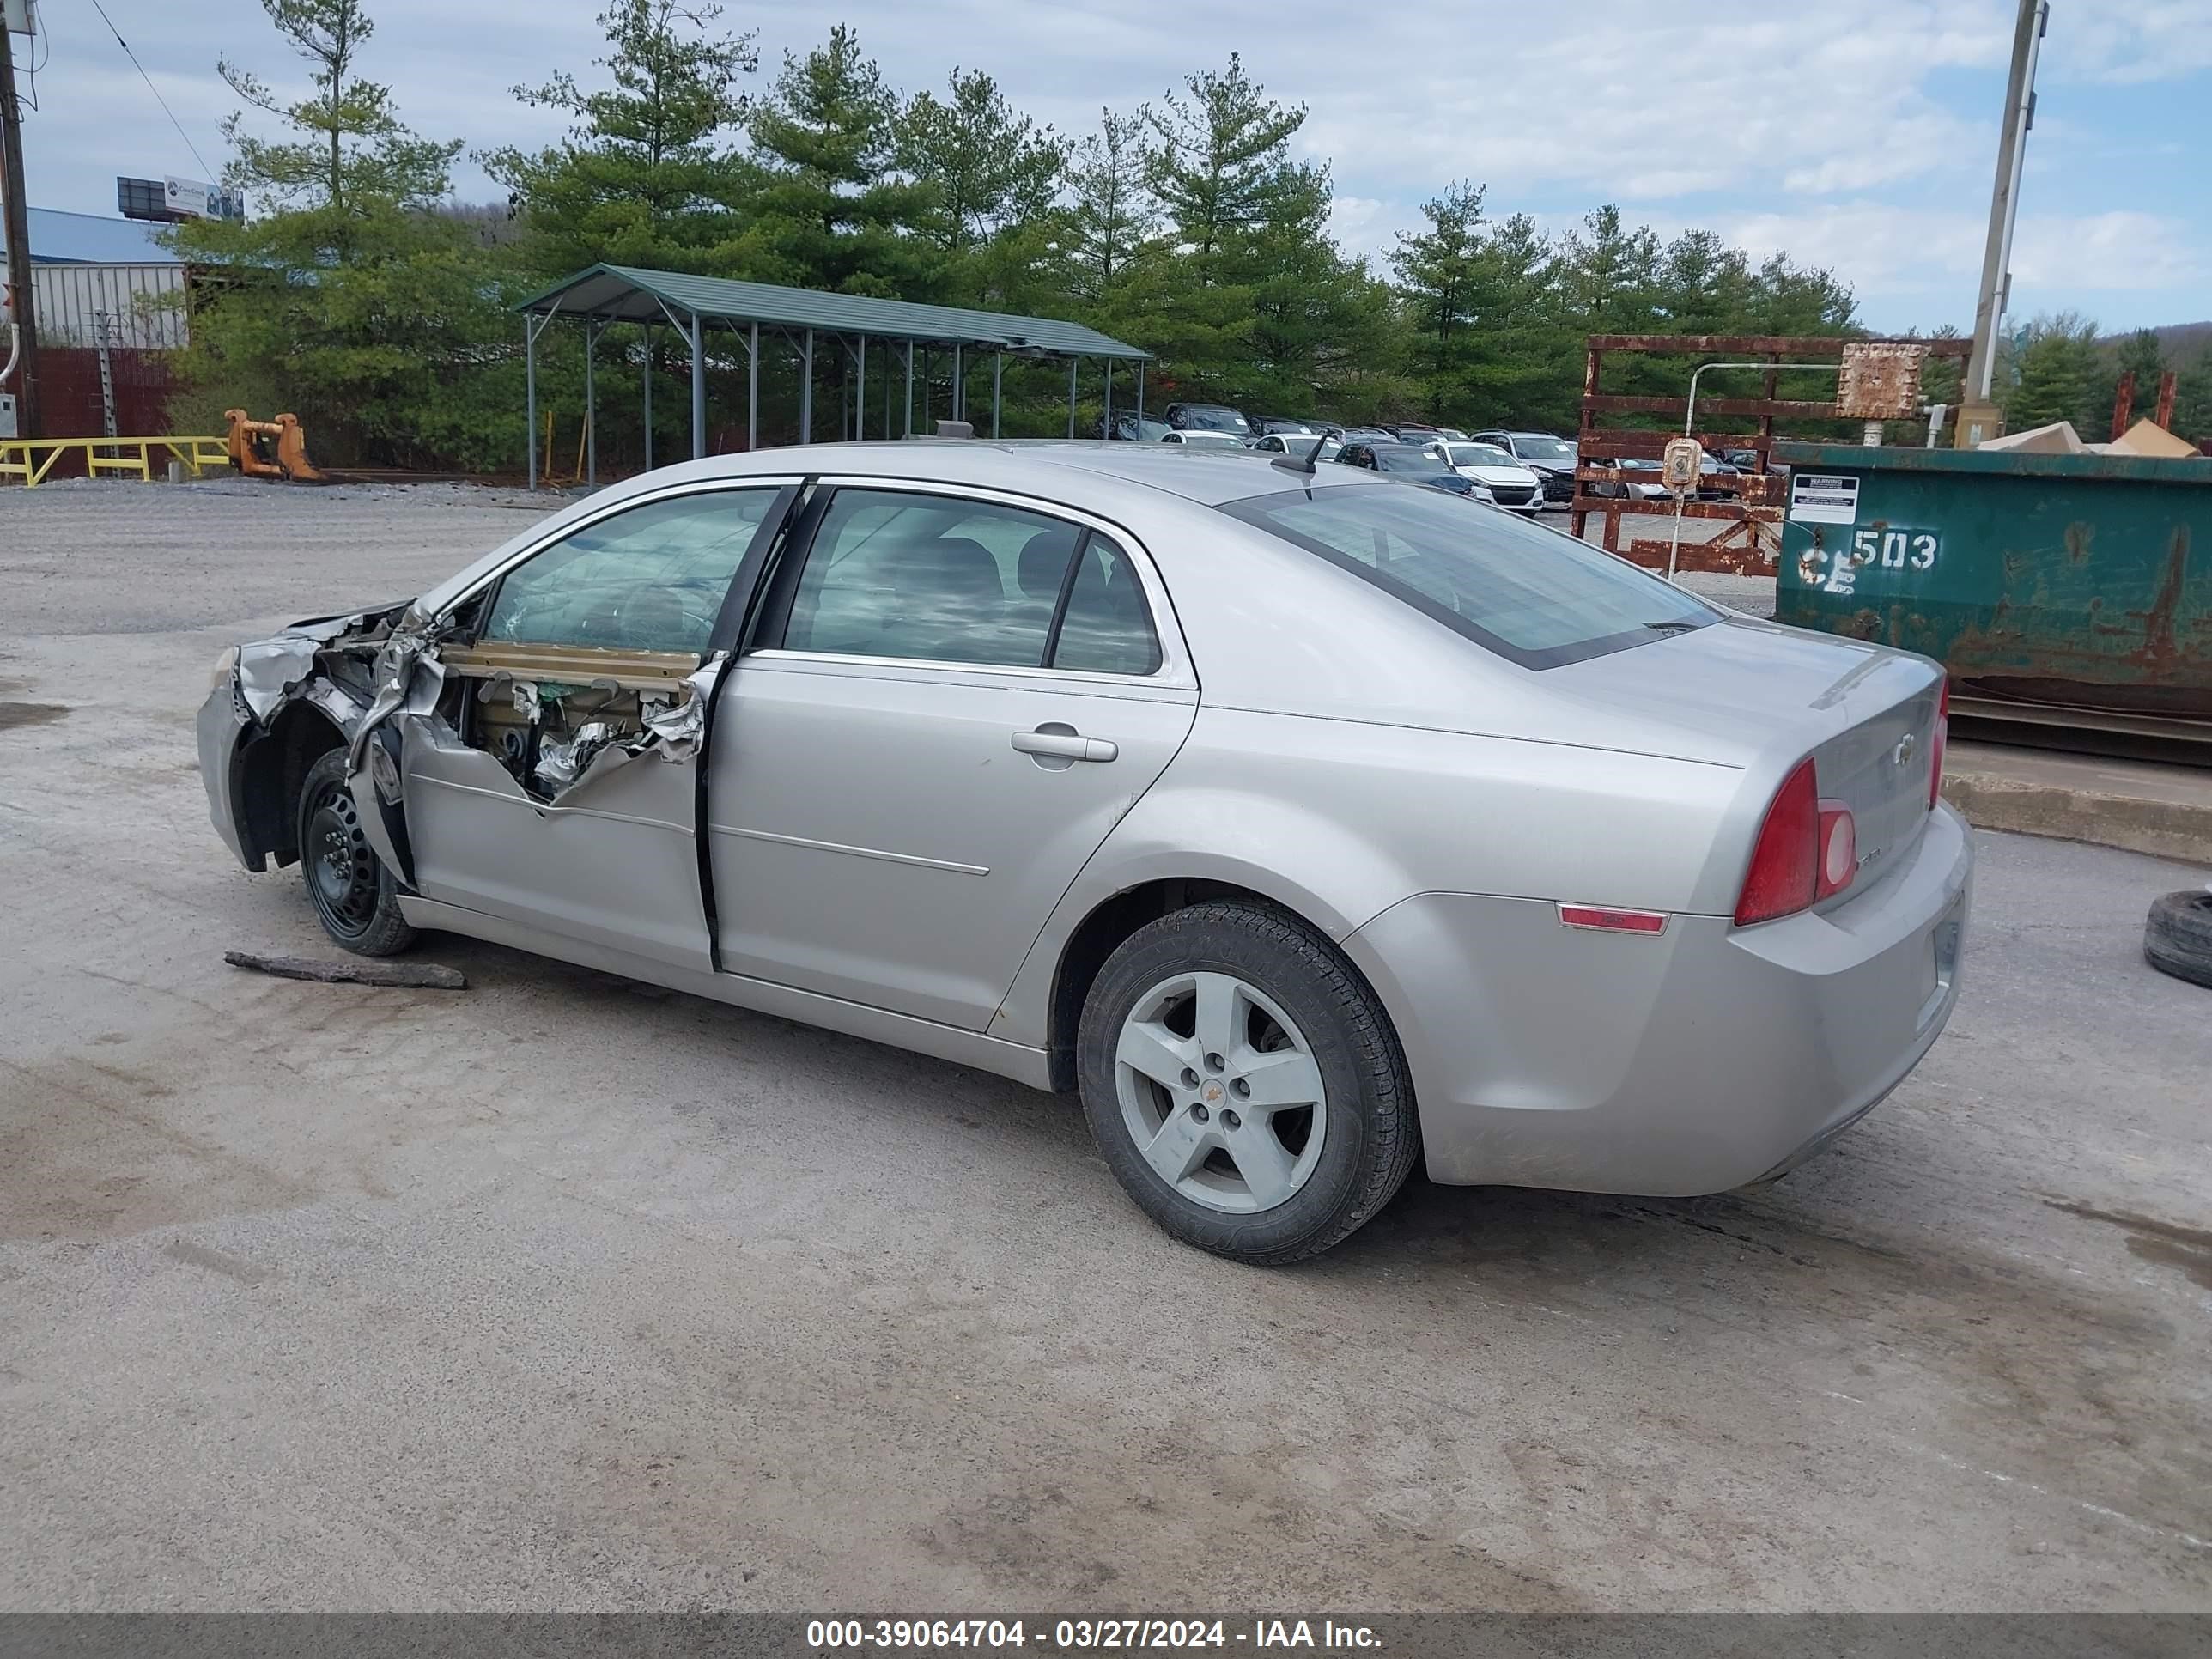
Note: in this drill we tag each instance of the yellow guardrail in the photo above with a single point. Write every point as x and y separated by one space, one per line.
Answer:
31 459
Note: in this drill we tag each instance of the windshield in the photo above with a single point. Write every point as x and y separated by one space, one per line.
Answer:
1534 596
1201 417
1406 460
1479 455
1540 446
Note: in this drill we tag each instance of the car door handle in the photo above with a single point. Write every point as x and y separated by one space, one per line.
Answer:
1065 745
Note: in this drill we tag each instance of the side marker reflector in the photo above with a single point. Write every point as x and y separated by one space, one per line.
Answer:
1613 921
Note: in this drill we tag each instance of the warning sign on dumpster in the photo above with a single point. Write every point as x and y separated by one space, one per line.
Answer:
1823 498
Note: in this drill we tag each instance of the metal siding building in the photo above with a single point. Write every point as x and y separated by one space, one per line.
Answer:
138 305
87 239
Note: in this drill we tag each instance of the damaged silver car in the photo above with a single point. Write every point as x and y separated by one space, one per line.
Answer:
1305 823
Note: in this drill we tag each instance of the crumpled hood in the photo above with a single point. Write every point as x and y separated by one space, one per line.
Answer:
268 668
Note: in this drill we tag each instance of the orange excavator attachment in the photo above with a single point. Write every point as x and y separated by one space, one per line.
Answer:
270 449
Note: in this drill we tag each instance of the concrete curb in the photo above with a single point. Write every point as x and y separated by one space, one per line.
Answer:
2178 829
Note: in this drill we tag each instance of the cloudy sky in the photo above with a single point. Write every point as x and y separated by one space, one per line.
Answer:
1857 134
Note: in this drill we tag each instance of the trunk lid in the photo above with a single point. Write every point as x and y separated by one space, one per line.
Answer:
1762 697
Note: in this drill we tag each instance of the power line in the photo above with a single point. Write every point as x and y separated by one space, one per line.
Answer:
155 90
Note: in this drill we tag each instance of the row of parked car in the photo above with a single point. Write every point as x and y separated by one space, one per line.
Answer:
1523 471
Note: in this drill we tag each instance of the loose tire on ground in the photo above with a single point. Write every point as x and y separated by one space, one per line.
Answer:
354 896
2178 936
1298 1015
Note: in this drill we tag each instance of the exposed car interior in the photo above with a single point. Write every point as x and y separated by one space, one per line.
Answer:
590 641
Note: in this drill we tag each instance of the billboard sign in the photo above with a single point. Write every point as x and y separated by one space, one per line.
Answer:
193 199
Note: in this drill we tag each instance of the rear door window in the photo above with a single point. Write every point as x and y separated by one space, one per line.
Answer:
1532 595
1107 626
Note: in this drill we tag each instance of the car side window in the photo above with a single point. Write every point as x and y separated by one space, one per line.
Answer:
650 579
931 578
1106 628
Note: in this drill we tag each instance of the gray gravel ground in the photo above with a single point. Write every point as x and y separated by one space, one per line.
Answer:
564 1292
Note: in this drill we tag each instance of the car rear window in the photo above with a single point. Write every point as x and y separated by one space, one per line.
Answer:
1534 596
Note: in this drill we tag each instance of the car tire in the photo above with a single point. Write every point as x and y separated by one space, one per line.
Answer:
353 893
2178 936
1299 1021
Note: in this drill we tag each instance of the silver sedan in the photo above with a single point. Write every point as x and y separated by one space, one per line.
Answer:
1305 824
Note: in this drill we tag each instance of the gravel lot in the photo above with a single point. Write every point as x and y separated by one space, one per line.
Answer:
564 1292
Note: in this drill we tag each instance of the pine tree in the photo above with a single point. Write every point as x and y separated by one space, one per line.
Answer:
1220 160
1317 318
828 210
1609 275
991 178
1436 270
1113 214
988 167
352 154
382 324
638 178
2192 403
2056 377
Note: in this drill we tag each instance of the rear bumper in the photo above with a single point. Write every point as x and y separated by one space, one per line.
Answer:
1709 1058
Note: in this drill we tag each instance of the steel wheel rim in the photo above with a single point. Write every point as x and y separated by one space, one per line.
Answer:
341 869
1220 1092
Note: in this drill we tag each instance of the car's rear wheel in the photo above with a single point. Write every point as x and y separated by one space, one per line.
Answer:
354 895
1244 1083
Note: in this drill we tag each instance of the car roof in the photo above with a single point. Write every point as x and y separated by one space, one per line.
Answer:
1202 473
1089 475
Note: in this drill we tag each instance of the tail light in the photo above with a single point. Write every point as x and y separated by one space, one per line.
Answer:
1807 851
1935 749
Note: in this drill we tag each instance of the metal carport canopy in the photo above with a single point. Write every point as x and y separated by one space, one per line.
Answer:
605 294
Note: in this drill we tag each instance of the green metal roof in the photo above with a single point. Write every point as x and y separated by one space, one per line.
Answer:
626 295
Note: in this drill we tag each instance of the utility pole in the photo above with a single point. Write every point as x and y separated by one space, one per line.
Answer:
18 230
1978 417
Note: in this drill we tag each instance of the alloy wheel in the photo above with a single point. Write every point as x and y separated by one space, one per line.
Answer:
1220 1092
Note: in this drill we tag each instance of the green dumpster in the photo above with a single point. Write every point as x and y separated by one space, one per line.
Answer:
2083 581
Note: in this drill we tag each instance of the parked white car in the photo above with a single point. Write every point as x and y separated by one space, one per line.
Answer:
1511 485
1298 443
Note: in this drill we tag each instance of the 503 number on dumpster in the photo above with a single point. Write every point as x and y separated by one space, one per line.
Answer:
1887 548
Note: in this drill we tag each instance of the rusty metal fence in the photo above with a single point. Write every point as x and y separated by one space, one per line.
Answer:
1877 379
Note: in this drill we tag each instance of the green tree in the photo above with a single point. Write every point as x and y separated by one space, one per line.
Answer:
1219 164
1219 161
1113 216
1703 286
991 180
1437 270
1317 318
1609 275
349 151
640 178
988 168
2192 403
381 323
2056 377
827 210
1787 299
1491 335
